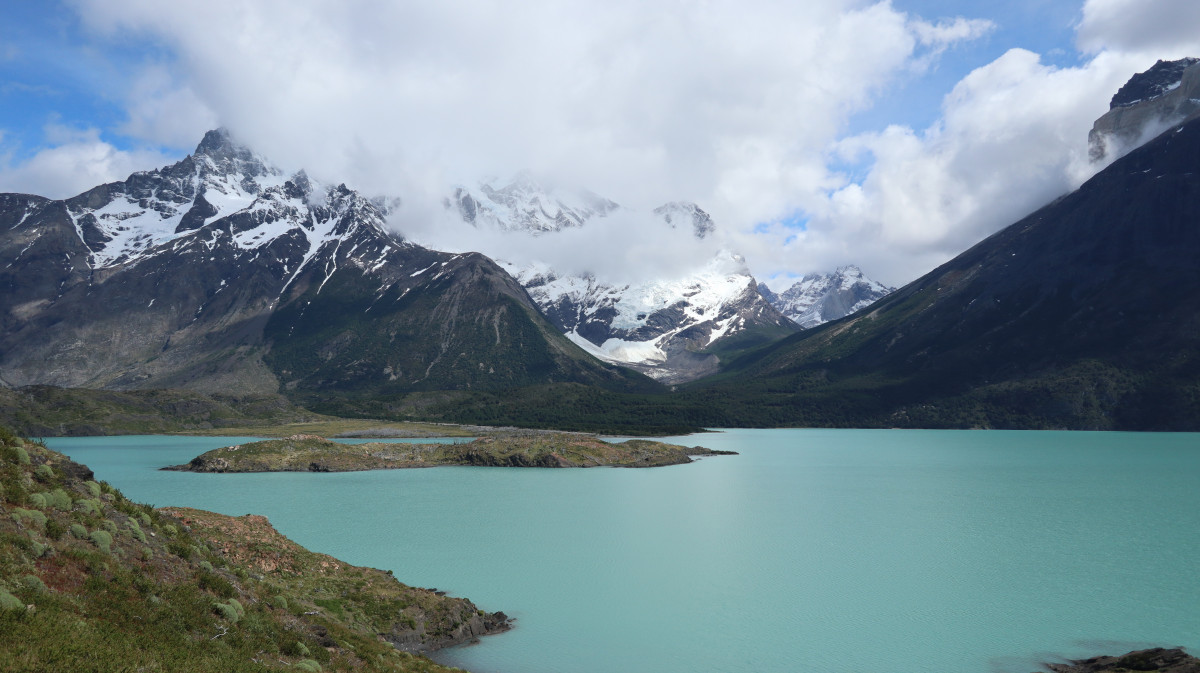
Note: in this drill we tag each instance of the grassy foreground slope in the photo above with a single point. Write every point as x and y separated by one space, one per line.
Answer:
90 581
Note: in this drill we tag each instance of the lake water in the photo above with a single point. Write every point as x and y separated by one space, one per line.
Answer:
838 551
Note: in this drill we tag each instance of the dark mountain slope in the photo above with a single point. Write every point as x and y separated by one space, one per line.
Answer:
1086 314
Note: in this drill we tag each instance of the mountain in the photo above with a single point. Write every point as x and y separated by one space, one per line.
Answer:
671 330
1084 315
221 274
818 298
1166 94
524 205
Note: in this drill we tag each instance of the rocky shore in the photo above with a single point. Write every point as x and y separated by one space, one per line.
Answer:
310 453
1157 660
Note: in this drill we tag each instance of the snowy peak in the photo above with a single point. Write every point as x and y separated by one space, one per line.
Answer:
1149 103
818 298
522 204
1163 77
683 214
661 327
222 192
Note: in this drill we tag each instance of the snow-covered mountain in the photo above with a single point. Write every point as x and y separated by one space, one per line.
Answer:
818 298
221 273
667 328
663 327
684 214
524 205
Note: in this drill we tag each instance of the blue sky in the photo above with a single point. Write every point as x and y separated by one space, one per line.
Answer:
887 134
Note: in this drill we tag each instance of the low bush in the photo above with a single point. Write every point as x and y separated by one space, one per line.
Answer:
93 488
39 500
110 526
308 665
54 529
280 602
78 531
227 611
103 540
26 516
58 499
44 472
33 584
136 530
10 602
218 585
22 455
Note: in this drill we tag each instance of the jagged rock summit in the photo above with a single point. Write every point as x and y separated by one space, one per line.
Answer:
818 298
220 273
1150 102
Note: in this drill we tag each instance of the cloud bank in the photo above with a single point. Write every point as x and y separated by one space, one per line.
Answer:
740 107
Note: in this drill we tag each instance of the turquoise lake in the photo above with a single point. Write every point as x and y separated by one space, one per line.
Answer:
832 551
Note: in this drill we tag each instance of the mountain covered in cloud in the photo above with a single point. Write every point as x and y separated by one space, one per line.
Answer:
818 298
672 327
522 204
221 273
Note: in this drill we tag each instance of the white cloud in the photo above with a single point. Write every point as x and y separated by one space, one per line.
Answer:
729 104
75 161
165 112
739 106
1165 29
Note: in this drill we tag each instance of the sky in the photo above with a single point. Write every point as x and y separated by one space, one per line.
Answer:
891 135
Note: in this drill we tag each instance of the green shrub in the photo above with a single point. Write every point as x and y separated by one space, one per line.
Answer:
144 519
21 516
227 611
180 549
136 530
34 584
58 499
54 529
296 649
39 500
147 553
280 602
215 583
78 531
110 526
93 488
10 602
237 605
103 540
89 506
206 566
22 456
308 665
170 530
44 472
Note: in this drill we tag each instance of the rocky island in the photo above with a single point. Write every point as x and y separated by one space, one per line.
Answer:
310 453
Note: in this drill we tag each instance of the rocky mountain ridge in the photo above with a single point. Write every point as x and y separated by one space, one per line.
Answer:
818 298
219 273
1165 95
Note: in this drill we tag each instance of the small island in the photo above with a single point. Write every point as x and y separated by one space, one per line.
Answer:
311 453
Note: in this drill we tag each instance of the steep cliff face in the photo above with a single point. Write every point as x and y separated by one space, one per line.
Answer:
219 273
1150 102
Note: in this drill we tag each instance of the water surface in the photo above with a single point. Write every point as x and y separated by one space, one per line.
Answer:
813 550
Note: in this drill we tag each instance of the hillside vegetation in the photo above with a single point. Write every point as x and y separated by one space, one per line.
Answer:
90 581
